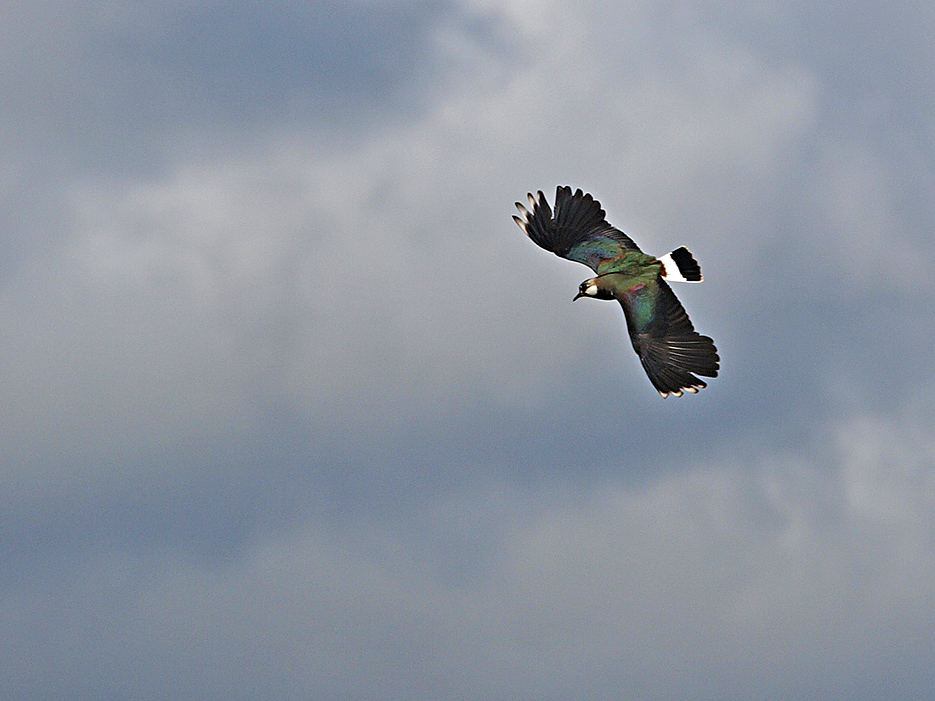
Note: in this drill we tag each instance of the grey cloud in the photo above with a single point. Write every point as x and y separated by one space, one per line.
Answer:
767 576
264 58
305 397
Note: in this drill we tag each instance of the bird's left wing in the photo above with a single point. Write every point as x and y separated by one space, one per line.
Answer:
671 351
577 230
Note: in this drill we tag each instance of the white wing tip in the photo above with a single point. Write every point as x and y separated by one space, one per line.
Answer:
691 389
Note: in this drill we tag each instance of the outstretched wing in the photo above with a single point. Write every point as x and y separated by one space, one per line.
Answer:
577 231
671 351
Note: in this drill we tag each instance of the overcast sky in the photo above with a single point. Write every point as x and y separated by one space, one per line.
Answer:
290 407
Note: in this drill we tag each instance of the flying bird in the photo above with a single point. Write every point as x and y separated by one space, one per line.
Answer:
673 354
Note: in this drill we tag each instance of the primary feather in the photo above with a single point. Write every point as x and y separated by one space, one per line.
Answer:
577 231
671 351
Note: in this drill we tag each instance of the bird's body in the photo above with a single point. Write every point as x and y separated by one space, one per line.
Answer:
671 351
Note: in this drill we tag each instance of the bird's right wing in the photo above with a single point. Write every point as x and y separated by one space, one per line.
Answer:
577 231
671 351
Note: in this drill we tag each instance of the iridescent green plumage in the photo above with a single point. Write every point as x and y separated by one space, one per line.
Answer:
670 350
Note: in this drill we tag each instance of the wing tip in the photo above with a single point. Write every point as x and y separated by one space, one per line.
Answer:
690 389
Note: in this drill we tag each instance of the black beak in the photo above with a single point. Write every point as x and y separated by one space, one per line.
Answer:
578 296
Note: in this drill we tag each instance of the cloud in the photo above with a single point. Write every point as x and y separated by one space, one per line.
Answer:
771 574
291 406
364 281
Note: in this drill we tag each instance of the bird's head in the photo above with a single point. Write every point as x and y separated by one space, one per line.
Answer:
592 288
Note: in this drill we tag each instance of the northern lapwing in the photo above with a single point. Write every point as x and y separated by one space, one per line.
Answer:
671 351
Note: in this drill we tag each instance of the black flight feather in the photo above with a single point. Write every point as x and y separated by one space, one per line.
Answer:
671 351
578 231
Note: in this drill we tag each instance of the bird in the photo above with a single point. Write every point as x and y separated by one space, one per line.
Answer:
672 353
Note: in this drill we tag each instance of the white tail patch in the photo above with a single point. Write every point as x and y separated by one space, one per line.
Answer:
680 266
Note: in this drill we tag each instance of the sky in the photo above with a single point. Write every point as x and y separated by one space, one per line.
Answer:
290 408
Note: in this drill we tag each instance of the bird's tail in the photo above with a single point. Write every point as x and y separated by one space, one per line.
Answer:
680 266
